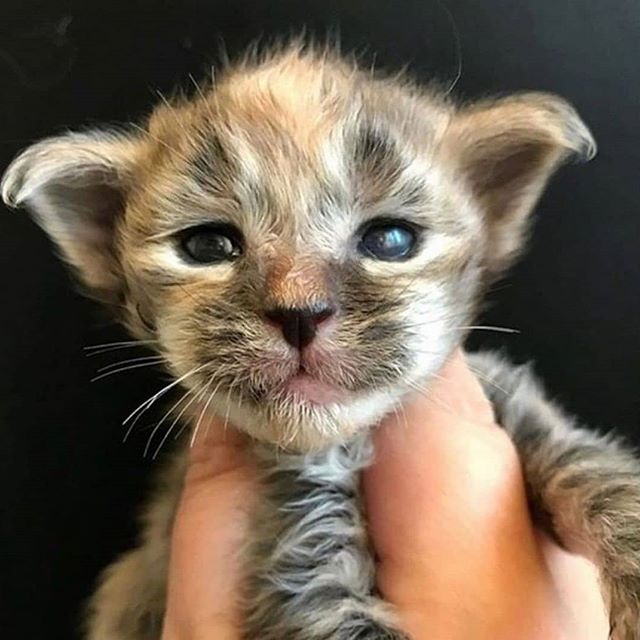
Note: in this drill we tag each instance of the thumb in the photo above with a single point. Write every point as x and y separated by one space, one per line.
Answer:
448 514
205 572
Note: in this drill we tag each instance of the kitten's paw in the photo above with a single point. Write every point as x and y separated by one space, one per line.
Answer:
129 603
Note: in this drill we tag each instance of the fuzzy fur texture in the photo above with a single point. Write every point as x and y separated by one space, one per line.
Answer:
299 152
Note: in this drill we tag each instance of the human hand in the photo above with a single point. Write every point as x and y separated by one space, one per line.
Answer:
459 557
205 573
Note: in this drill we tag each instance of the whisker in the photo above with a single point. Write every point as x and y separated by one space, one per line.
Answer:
164 417
110 350
97 349
481 327
226 415
201 416
396 411
131 361
213 375
487 379
142 408
196 396
213 393
163 391
373 319
477 327
432 397
116 344
123 369
396 298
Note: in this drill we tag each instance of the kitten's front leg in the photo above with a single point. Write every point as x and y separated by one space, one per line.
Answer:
585 486
312 575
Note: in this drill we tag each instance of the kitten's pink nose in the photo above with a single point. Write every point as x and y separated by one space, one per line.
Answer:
299 325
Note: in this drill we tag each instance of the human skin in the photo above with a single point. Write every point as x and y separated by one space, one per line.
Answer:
458 554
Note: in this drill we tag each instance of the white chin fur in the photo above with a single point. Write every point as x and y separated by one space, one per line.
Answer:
307 429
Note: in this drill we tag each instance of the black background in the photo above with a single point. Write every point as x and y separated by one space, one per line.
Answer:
68 485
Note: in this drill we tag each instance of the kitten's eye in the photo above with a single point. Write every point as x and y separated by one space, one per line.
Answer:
388 241
211 244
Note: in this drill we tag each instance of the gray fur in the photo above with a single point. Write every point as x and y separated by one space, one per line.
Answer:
313 575
585 485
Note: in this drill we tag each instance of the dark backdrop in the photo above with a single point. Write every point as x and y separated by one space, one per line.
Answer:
68 486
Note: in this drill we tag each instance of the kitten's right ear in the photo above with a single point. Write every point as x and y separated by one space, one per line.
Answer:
506 150
75 186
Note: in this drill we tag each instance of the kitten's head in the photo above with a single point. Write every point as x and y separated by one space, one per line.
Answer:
305 242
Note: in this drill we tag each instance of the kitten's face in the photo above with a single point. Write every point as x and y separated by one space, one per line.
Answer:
305 244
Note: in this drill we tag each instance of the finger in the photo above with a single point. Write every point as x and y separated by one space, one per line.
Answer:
206 571
577 584
427 457
456 392
448 514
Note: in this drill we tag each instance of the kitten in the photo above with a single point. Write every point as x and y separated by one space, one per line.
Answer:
305 242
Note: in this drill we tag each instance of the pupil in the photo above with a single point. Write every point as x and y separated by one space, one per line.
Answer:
208 246
391 240
388 243
214 245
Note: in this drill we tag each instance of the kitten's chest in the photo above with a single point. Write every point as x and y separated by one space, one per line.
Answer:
309 552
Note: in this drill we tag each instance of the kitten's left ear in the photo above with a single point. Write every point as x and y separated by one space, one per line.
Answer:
506 150
75 186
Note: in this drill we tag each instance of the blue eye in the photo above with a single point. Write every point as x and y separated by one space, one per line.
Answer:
211 244
388 241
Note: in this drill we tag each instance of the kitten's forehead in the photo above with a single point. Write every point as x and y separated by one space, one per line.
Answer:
293 140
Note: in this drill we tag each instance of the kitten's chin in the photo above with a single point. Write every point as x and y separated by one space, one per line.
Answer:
310 426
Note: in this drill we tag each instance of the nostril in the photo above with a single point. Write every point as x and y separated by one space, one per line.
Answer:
299 324
323 313
315 315
277 316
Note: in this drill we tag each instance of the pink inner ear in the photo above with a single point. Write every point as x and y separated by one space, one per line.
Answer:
104 205
79 214
509 166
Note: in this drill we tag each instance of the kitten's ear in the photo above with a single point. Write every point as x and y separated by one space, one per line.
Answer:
75 186
506 150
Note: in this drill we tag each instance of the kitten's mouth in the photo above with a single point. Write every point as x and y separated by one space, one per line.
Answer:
311 379
308 389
